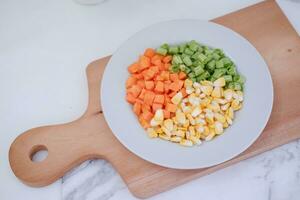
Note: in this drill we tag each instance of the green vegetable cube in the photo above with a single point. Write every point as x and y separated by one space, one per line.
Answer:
219 64
188 51
228 78
173 50
187 61
198 70
162 51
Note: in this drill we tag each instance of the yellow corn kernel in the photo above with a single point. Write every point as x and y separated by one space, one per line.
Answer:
189 90
197 135
206 131
179 133
180 117
192 130
195 140
206 83
225 124
205 102
199 128
219 128
198 91
152 133
220 117
235 104
166 131
158 130
230 113
169 124
159 115
210 136
186 124
187 109
195 101
228 120
191 119
220 101
214 106
182 128
164 137
196 111
225 106
206 89
216 92
202 95
176 99
196 85
185 142
228 94
220 82
154 122
175 139
188 83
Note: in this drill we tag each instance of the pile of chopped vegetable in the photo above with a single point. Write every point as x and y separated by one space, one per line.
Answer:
184 93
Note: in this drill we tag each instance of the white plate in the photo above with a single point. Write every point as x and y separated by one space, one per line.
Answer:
248 123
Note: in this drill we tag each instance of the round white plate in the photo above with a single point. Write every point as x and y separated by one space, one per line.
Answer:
248 123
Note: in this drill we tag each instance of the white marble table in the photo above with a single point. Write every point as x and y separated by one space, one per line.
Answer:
44 49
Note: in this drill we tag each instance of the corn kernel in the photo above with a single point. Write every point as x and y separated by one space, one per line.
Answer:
206 89
219 128
216 92
159 115
220 82
175 139
152 133
176 99
220 117
164 137
187 143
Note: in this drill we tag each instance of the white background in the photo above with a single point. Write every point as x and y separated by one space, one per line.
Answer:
44 49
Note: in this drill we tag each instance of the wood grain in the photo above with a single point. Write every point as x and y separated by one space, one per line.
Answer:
263 24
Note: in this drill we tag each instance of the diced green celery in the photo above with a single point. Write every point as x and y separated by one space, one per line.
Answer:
226 61
198 70
202 57
188 51
176 59
231 70
219 72
239 79
231 85
162 51
203 76
209 58
191 75
196 55
193 79
182 67
165 46
228 78
182 48
187 70
193 45
200 49
216 56
237 86
175 68
219 64
211 65
187 61
173 50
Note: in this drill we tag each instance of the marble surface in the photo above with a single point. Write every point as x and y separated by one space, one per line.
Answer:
44 49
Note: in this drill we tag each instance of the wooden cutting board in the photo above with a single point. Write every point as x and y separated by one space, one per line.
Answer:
263 24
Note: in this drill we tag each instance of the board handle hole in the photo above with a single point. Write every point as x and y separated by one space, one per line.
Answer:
38 153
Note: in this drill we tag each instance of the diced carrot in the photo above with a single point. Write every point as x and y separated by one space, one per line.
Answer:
133 68
130 98
157 62
172 94
173 77
138 100
167 87
149 52
159 98
155 69
156 106
144 62
146 108
159 86
167 66
168 82
182 75
172 115
148 74
143 122
147 115
183 92
141 83
131 81
167 99
149 85
167 59
171 107
180 84
155 58
137 76
165 75
161 67
137 107
175 86
135 90
159 78
149 97
142 94
166 114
